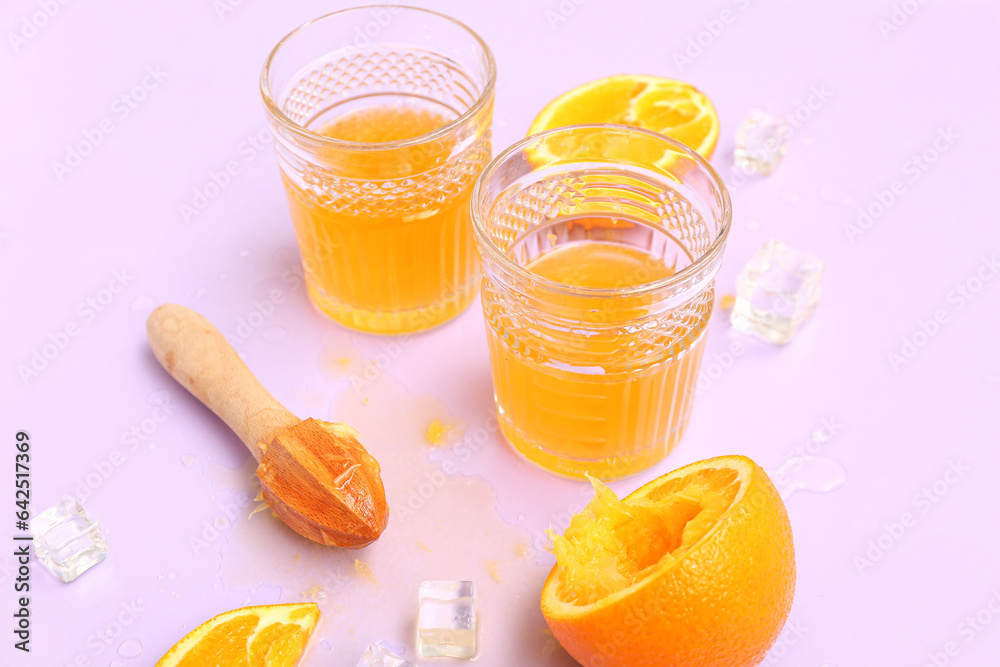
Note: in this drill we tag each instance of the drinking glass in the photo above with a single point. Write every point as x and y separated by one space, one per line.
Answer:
595 361
381 123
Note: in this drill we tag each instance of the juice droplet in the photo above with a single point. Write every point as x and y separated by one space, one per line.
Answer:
365 571
187 460
491 567
337 360
436 432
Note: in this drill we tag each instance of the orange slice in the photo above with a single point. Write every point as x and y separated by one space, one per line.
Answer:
667 106
265 636
696 568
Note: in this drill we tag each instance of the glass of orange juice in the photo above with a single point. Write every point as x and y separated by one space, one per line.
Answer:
600 245
381 123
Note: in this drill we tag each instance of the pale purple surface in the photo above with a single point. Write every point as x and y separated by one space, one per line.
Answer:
898 430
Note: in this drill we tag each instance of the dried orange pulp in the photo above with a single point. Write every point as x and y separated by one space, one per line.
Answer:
670 107
696 568
266 636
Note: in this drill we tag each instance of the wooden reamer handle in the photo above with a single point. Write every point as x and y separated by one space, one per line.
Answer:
203 362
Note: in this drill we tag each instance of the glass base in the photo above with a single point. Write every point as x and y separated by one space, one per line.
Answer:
611 468
394 322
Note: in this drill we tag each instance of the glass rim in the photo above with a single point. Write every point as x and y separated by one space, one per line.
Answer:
487 244
275 111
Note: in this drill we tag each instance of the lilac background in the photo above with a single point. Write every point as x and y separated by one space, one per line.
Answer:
897 430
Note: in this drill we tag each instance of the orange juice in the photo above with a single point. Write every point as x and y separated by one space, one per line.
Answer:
379 137
385 234
600 245
615 399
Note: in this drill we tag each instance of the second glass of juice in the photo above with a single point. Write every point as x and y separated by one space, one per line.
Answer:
600 246
381 123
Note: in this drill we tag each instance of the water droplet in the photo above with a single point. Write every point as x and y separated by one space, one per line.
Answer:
265 290
158 397
314 593
835 194
142 305
187 460
200 292
286 255
130 648
398 649
790 196
816 474
521 517
753 225
274 334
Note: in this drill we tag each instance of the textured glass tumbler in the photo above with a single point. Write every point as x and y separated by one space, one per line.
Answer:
598 380
381 123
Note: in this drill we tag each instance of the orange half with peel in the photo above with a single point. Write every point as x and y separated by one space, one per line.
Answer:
696 568
670 107
266 636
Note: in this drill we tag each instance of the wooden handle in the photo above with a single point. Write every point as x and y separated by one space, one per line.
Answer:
203 362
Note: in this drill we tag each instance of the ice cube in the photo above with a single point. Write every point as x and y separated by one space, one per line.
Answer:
66 541
377 655
446 624
761 142
776 292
